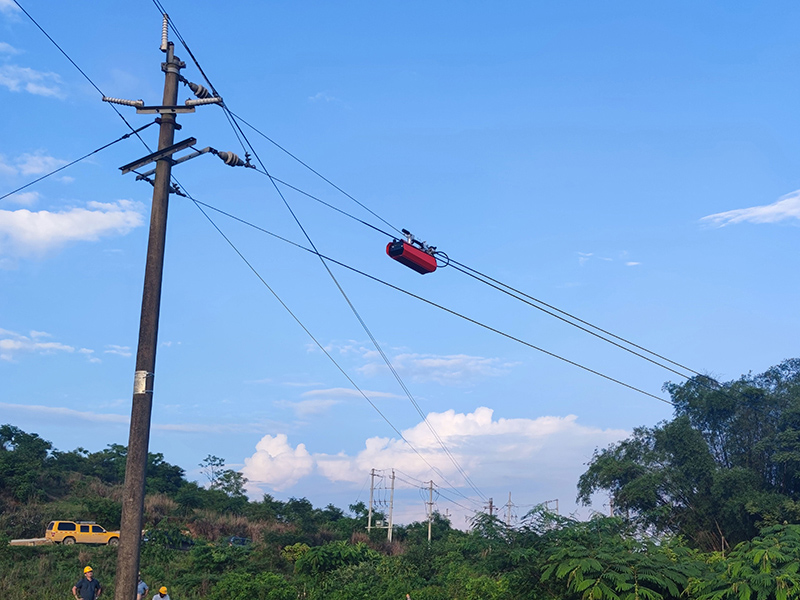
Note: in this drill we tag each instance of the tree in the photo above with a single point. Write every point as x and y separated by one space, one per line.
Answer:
728 463
211 467
227 481
765 568
23 459
231 483
621 567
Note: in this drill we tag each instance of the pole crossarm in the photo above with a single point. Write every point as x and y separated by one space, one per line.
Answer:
158 155
164 110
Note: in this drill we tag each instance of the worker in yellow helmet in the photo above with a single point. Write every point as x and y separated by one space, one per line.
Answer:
88 587
162 594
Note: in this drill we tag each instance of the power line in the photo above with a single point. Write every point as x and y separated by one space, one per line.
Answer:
482 277
239 132
77 160
317 173
478 275
522 296
472 510
436 305
466 270
81 71
308 332
505 288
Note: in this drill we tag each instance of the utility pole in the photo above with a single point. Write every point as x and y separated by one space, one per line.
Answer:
391 509
139 438
141 409
430 508
491 507
371 488
508 510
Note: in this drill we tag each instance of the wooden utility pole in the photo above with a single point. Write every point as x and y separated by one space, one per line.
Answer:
139 437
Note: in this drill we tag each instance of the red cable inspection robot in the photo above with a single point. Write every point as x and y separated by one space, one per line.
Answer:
413 253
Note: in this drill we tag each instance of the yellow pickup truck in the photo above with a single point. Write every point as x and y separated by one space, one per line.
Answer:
79 532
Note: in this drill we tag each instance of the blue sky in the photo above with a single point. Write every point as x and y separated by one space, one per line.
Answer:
632 164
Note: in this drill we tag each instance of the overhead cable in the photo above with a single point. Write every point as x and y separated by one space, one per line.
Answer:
200 206
436 305
81 71
355 311
77 160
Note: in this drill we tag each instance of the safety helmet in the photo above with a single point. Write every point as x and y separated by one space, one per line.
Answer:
87 569
163 590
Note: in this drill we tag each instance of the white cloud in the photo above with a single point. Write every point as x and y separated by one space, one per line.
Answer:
90 355
25 232
61 412
5 47
449 369
5 168
632 264
276 464
8 7
12 344
323 97
215 428
118 350
40 83
787 207
38 163
24 198
545 455
305 408
347 392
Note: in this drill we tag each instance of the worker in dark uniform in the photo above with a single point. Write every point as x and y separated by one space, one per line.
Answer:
88 587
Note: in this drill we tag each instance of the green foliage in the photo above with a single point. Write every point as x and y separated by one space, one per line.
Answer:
295 551
242 586
765 568
324 559
22 456
727 464
621 567
104 510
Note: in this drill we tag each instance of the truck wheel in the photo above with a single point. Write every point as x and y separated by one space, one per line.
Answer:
68 541
113 541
